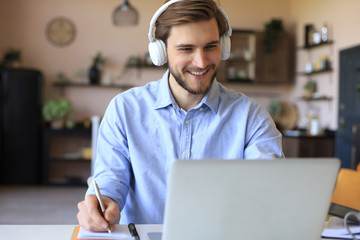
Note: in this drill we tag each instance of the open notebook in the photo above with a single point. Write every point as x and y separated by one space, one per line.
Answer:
249 199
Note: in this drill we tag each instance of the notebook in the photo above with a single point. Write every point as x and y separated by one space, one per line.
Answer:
249 199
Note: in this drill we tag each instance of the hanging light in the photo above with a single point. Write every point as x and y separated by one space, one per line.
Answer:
125 15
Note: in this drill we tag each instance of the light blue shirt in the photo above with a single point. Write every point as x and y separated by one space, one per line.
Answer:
144 130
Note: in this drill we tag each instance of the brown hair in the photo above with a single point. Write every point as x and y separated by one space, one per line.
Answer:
188 11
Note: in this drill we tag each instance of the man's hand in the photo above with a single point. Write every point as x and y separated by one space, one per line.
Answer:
90 217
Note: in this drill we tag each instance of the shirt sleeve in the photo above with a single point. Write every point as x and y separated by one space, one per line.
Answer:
112 170
264 141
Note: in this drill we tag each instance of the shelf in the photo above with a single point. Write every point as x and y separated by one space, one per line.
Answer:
316 99
241 60
65 159
63 154
316 45
66 181
77 131
240 80
70 84
317 72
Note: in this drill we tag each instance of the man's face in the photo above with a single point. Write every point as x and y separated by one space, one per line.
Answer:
194 55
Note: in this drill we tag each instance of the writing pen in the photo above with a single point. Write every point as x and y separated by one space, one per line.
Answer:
133 231
98 195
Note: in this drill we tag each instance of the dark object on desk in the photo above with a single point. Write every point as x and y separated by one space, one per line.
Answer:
133 231
340 211
20 126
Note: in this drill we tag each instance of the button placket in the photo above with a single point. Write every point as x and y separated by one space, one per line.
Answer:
186 137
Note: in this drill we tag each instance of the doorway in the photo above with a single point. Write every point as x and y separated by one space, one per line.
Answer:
349 105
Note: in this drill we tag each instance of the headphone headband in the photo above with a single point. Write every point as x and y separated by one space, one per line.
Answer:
156 16
163 9
157 48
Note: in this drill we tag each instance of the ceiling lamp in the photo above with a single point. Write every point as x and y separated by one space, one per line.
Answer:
125 15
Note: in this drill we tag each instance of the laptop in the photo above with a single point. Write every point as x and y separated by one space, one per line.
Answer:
249 199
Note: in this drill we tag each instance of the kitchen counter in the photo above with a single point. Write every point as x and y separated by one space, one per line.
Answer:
297 143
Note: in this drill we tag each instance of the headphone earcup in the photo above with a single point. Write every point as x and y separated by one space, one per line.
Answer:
225 47
157 51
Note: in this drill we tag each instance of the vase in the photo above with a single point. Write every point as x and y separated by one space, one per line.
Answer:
94 75
57 123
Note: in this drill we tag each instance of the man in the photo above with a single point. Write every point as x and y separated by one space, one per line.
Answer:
185 115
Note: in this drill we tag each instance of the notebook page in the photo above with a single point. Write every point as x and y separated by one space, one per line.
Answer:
120 232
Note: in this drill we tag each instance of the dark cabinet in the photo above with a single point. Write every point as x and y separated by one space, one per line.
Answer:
307 146
67 158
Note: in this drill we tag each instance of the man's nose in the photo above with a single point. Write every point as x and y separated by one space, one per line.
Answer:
200 59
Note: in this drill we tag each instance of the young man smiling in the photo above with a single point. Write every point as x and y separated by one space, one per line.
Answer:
193 62
185 115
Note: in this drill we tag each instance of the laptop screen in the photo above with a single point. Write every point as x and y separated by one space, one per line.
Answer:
249 199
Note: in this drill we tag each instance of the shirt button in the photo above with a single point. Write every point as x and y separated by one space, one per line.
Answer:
184 153
187 122
201 109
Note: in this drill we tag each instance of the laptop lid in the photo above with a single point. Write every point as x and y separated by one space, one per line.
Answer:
249 199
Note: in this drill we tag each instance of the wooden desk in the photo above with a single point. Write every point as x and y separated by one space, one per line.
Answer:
57 232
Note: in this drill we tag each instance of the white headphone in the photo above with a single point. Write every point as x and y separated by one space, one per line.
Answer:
157 48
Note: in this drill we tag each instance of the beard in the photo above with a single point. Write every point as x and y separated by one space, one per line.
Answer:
196 91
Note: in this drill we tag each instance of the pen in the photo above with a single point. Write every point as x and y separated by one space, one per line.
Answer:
133 231
98 195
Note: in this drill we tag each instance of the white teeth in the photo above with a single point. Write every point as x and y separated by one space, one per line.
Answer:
198 73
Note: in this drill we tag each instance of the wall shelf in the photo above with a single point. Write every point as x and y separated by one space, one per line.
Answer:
329 70
307 99
72 84
60 165
316 45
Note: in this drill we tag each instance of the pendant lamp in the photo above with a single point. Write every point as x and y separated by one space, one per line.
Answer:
125 15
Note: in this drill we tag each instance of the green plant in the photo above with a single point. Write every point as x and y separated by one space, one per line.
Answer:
98 59
55 109
274 108
10 57
272 35
311 85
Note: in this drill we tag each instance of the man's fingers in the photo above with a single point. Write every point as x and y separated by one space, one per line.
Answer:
112 212
89 215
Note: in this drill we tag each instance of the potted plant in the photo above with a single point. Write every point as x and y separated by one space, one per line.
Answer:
273 29
55 111
275 109
310 88
11 58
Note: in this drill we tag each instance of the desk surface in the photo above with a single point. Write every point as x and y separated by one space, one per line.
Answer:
63 232
57 232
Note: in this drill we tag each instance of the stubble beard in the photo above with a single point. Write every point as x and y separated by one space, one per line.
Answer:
200 91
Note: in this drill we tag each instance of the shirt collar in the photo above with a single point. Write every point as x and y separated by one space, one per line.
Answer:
165 98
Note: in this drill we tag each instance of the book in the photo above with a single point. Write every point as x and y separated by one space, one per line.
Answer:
121 232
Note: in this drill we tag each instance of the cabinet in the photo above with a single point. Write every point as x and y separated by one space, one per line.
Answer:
66 157
277 66
308 146
240 67
248 62
20 126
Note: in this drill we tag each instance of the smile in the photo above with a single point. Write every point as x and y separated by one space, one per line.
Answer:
198 73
